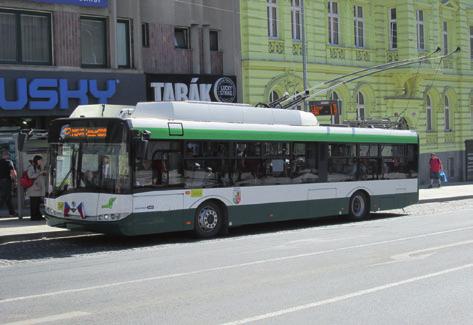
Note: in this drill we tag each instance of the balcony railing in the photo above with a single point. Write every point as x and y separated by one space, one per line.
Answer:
275 46
431 138
349 56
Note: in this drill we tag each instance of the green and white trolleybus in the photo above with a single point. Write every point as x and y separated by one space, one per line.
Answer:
175 166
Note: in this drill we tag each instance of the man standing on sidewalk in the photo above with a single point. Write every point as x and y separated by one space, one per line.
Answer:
435 168
7 176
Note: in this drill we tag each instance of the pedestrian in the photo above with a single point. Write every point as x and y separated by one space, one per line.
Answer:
7 178
36 191
435 168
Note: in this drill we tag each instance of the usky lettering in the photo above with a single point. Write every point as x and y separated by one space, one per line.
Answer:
47 94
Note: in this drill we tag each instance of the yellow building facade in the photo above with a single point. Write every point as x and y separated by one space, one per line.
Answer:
435 97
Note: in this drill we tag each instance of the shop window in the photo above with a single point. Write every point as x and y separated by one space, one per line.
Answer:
123 44
93 42
181 38
25 37
213 40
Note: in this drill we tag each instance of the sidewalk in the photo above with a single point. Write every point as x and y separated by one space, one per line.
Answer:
13 229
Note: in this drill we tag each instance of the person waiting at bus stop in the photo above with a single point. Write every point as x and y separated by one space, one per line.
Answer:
7 176
36 191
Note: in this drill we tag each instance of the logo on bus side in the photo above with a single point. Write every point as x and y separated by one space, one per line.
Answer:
237 196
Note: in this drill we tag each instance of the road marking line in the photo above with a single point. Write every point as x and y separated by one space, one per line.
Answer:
420 254
229 267
52 318
347 296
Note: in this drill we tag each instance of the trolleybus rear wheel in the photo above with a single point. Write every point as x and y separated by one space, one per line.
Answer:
208 220
359 207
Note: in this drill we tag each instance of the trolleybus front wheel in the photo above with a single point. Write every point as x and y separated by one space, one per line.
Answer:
208 220
359 207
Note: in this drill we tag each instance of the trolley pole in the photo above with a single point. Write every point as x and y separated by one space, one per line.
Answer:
304 52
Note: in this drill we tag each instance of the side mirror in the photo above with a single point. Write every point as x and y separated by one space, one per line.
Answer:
141 147
140 144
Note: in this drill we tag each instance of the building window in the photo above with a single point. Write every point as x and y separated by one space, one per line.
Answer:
123 44
392 29
333 23
359 26
213 40
445 37
273 96
145 34
181 38
471 42
93 42
360 107
429 113
420 29
272 11
447 114
296 20
25 37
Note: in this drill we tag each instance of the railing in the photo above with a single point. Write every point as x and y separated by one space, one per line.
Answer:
449 137
275 46
297 48
431 138
353 56
392 56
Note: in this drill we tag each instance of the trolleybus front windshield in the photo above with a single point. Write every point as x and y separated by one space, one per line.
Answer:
89 155
90 167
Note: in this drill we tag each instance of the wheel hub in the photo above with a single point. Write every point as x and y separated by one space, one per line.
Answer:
208 219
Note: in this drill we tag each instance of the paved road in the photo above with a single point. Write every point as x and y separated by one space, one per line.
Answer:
413 266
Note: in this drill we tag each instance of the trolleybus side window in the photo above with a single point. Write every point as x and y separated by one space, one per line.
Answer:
342 163
207 164
399 161
162 166
369 162
304 163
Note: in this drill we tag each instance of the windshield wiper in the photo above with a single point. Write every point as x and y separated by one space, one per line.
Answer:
60 189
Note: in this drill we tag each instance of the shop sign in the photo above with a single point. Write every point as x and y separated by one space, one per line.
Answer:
82 3
47 94
52 93
192 87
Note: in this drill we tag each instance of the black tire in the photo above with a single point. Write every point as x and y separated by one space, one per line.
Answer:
359 206
208 220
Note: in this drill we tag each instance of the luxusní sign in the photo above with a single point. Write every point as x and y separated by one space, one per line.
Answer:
191 87
82 3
